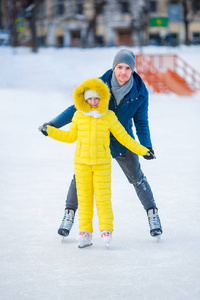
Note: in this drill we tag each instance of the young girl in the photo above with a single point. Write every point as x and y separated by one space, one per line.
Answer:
91 127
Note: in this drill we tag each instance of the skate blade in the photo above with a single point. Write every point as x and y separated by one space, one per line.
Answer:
84 246
157 238
108 245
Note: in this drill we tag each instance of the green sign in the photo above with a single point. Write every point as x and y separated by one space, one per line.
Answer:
158 21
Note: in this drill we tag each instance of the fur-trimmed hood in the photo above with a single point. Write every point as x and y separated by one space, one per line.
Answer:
94 84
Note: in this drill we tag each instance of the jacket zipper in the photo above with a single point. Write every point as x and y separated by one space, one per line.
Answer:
115 103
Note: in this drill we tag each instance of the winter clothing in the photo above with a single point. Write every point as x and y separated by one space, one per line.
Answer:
67 222
150 155
134 107
107 237
84 239
119 91
92 155
93 84
129 163
89 93
43 129
72 199
94 148
93 138
154 222
124 56
94 180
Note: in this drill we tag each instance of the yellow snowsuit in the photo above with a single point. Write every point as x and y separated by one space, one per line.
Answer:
92 155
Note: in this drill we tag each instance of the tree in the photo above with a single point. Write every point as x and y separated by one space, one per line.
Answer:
190 8
186 18
98 8
139 23
30 7
11 7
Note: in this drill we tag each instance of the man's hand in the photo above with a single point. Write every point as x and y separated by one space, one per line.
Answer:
150 154
43 129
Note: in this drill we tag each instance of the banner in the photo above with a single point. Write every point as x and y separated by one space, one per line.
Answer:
158 21
20 21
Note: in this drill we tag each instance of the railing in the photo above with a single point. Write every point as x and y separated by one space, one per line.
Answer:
187 72
162 63
155 63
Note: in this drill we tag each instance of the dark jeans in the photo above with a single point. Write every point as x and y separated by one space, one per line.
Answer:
129 163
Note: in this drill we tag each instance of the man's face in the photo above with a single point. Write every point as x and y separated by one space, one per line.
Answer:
123 73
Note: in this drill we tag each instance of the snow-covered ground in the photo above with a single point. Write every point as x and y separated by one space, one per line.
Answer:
36 171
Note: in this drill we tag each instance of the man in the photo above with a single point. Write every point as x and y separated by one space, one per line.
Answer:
129 101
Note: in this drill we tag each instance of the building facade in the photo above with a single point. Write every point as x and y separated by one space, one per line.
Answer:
172 16
89 23
118 22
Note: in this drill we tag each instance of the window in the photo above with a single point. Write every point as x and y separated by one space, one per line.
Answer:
154 39
124 6
41 40
41 9
79 7
196 5
60 7
172 39
60 41
99 5
196 38
152 6
174 1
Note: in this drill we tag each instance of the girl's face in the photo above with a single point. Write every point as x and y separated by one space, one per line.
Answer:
123 73
93 102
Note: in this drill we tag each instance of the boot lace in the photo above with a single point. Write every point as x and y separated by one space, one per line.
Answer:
154 221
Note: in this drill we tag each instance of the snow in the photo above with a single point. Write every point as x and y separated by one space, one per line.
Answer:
36 172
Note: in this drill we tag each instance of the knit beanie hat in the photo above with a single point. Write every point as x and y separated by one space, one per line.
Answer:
124 56
90 93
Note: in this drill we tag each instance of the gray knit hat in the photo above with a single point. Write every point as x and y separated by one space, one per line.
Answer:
124 56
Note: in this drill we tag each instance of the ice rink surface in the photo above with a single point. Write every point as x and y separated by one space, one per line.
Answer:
36 171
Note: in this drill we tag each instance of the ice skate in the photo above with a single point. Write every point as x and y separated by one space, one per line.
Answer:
84 239
154 223
107 237
67 223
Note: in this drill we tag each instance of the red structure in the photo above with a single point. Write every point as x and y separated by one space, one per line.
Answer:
168 73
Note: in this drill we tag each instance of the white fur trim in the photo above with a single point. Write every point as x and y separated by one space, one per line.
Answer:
93 113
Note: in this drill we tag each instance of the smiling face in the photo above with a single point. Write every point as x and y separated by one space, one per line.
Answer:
93 102
123 73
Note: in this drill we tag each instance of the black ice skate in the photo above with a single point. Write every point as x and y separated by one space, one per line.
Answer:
154 222
67 223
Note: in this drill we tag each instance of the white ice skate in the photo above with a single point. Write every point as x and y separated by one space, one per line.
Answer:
107 237
84 239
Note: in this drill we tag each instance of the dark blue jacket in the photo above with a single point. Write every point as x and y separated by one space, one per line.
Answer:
133 108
